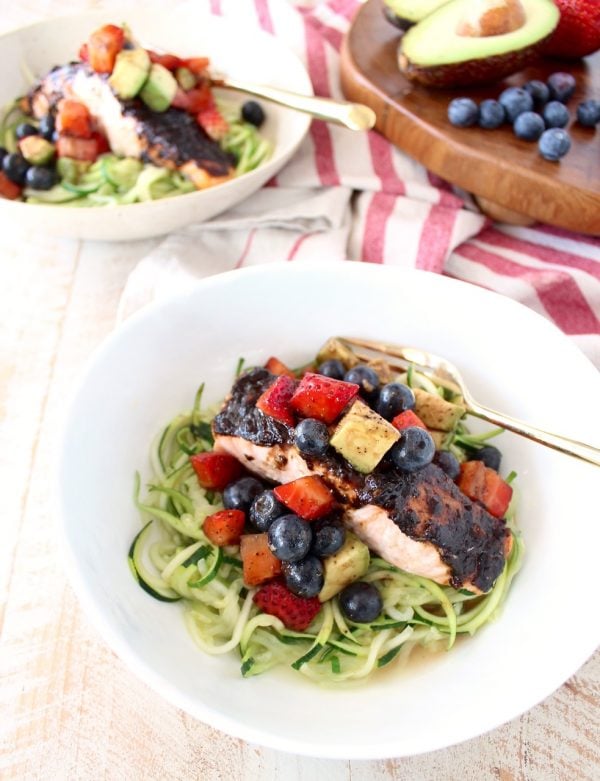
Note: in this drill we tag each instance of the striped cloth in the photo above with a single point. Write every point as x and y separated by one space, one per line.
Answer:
354 196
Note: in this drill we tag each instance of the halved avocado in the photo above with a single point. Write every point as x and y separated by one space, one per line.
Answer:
405 13
446 49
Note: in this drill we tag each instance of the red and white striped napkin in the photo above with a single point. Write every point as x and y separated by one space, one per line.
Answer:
351 196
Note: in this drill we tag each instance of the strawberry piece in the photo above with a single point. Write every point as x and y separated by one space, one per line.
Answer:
275 401
259 563
103 46
83 53
578 31
102 141
77 148
169 61
275 366
485 485
297 613
216 470
212 122
8 189
322 397
407 419
225 527
198 65
194 100
308 497
73 119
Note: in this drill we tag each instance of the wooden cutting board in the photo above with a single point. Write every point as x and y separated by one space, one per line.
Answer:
507 176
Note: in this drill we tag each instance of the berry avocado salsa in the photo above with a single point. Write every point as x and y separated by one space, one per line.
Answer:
124 124
331 519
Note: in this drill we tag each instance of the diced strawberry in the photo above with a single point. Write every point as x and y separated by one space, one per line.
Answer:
407 419
216 470
83 53
102 141
485 485
73 119
198 65
497 493
77 148
169 61
8 189
322 397
308 497
194 100
259 563
213 122
297 613
103 46
275 366
275 401
225 527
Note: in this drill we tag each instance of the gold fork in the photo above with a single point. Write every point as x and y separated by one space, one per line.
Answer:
446 374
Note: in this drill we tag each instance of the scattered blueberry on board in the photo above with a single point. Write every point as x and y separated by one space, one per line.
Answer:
554 143
556 114
463 112
536 110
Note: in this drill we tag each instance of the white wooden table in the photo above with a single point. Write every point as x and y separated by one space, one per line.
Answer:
70 708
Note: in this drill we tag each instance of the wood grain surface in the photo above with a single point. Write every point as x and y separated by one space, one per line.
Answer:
69 708
493 164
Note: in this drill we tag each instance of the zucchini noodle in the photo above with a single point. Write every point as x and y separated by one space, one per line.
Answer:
174 560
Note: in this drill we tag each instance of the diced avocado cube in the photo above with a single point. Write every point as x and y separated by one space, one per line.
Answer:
350 563
185 78
436 412
363 437
160 88
36 150
131 70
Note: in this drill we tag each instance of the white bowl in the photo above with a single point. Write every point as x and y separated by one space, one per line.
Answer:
235 50
513 359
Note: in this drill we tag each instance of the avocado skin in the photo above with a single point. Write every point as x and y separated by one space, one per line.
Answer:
483 70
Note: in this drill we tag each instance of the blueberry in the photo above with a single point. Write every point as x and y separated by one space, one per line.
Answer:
366 377
539 91
240 494
529 126
264 509
311 437
393 399
588 113
41 178
46 128
554 144
253 113
304 578
15 167
463 112
515 101
562 86
491 114
332 368
414 450
289 538
448 463
25 129
328 537
556 114
360 602
490 456
3 153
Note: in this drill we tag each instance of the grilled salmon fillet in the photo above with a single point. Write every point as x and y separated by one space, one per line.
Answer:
171 139
420 522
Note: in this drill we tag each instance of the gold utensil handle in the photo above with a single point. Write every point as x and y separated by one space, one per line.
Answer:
571 447
353 116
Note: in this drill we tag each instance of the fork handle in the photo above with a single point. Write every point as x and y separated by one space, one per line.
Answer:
572 447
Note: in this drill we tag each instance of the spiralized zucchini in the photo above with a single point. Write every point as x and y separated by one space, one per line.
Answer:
219 610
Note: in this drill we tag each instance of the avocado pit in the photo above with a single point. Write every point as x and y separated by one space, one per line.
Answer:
493 17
